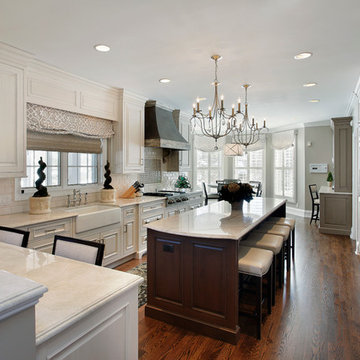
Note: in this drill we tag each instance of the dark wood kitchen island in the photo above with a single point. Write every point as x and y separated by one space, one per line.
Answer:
192 265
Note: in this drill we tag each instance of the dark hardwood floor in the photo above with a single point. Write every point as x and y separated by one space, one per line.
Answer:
316 316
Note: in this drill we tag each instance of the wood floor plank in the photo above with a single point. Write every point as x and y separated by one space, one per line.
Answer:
317 313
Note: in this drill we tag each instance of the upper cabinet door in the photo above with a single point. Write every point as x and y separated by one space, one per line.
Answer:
49 87
12 119
126 153
133 127
185 156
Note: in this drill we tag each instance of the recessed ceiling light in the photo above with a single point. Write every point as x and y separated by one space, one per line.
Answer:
302 56
102 48
164 80
314 100
202 98
310 84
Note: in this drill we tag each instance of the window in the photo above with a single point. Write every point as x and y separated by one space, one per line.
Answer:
208 167
52 170
63 169
284 173
82 169
250 166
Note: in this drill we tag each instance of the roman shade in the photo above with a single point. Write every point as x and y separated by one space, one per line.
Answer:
62 143
283 140
207 144
58 130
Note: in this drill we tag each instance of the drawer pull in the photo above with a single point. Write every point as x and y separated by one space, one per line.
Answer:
50 230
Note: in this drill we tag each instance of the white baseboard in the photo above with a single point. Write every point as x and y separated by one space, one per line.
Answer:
298 212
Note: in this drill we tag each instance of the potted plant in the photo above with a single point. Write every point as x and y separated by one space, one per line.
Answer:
236 193
330 179
182 182
39 203
108 193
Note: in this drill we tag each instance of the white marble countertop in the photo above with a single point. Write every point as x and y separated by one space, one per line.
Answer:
26 219
217 220
75 289
329 190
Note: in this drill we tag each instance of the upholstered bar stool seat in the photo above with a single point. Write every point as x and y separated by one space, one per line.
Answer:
280 230
282 221
271 242
287 222
257 263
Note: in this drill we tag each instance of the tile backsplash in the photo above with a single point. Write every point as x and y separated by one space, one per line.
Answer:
155 178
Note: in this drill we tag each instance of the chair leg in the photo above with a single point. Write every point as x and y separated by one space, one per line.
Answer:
258 306
269 289
293 243
317 213
312 214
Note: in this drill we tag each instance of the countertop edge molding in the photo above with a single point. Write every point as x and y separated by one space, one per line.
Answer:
66 323
23 293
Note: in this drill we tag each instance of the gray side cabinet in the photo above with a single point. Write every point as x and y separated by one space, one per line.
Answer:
342 154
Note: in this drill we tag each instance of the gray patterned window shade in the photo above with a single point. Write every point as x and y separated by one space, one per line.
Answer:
63 143
54 121
57 130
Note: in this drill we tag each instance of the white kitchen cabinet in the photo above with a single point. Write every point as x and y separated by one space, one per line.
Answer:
127 145
48 86
148 213
110 236
184 156
113 245
12 120
129 216
41 236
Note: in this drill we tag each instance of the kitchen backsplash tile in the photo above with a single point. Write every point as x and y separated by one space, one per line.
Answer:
155 179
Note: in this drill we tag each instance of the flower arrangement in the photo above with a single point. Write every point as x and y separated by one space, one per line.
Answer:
236 192
182 182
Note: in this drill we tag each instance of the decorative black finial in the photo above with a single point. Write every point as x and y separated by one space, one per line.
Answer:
107 177
42 190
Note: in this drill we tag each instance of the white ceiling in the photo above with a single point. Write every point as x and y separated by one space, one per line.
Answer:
151 39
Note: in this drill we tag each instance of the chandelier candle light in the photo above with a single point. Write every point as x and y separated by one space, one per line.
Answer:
217 123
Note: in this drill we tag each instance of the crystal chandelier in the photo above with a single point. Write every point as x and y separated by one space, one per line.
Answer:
247 133
216 123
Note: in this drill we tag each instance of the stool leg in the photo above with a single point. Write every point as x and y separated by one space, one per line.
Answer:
269 288
312 213
281 268
293 243
288 254
258 306
275 262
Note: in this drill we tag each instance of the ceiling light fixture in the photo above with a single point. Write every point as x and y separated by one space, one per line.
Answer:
102 48
216 123
302 56
164 80
314 100
310 84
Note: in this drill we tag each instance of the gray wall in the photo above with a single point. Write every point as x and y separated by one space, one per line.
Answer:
320 151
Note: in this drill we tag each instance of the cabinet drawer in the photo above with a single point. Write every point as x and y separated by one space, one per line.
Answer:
42 236
149 220
145 209
129 212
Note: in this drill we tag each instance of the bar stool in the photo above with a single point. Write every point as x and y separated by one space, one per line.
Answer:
257 263
281 230
286 222
271 242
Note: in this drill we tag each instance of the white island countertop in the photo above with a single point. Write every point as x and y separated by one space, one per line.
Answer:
75 289
218 221
329 190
